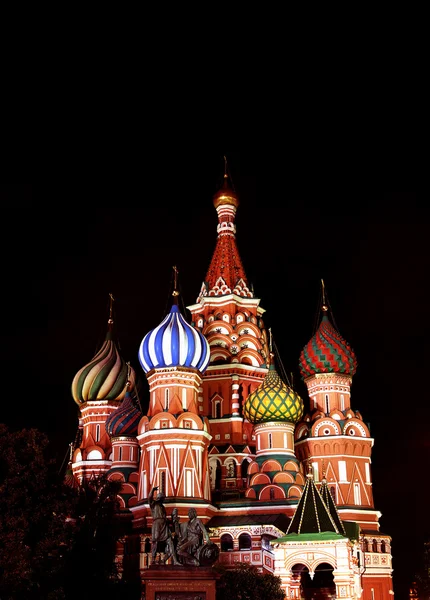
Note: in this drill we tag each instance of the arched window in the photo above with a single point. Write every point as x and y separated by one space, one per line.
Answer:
244 469
217 409
97 433
226 542
244 541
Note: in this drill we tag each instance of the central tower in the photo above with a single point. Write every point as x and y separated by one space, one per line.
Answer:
230 317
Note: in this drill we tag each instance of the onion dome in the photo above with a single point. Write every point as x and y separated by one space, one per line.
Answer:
273 401
174 343
226 194
327 352
125 419
105 377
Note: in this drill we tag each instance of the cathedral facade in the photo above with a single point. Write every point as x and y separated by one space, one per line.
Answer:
281 482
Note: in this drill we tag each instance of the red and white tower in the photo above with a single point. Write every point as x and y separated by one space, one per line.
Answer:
98 388
229 315
173 437
336 442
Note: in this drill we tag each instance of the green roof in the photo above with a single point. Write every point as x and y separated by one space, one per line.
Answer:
309 537
312 515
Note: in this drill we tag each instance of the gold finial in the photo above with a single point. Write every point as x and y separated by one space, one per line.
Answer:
111 301
175 282
324 306
270 339
225 167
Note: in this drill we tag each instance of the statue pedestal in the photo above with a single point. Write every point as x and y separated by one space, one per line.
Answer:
171 582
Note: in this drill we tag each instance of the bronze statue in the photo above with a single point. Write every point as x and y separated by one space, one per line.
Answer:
160 527
185 543
194 547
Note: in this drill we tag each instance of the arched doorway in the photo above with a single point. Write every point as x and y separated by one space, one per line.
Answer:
319 586
298 576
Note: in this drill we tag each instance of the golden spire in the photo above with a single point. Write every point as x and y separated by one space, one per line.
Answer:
111 301
271 353
225 167
324 306
175 282
128 384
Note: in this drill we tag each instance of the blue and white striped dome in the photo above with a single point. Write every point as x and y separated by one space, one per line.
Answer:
174 343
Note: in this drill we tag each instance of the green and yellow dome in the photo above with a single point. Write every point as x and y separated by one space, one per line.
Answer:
273 401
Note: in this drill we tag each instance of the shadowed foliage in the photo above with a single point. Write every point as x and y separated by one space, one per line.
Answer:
244 582
56 542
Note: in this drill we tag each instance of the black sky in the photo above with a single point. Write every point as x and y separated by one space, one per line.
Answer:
66 246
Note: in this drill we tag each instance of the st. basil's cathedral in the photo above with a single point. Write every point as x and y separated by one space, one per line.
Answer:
279 482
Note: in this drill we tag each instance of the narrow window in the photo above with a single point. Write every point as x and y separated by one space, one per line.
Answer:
218 409
120 453
166 399
342 402
270 440
315 471
327 404
97 433
189 482
342 471
184 398
367 469
357 494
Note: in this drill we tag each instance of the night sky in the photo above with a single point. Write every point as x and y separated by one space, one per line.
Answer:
66 246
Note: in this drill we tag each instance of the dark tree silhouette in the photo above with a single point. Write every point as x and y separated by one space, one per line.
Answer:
56 542
244 582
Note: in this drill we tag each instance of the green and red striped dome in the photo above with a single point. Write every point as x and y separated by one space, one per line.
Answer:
327 352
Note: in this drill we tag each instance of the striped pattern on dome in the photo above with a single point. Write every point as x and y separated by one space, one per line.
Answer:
104 377
174 343
125 419
273 401
327 352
